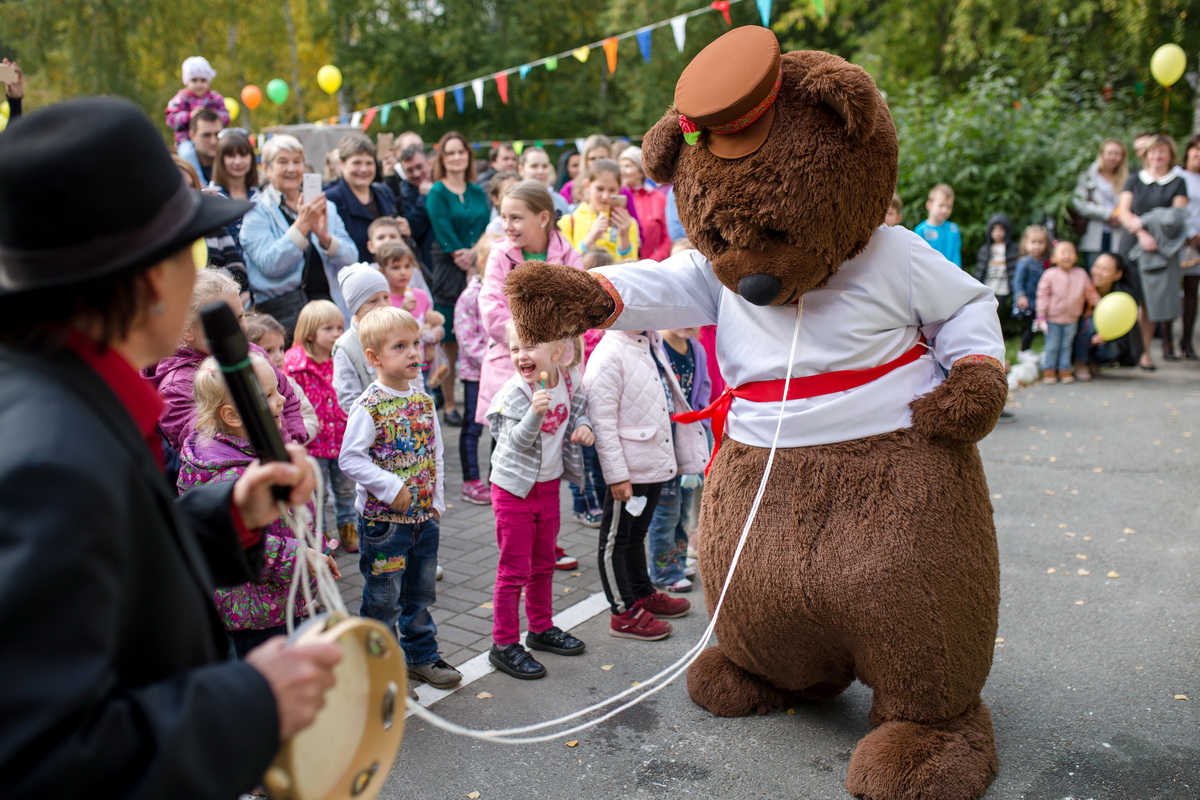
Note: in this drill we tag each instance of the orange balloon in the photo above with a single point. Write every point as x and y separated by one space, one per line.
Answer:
251 96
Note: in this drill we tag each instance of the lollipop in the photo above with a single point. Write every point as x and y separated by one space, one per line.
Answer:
543 376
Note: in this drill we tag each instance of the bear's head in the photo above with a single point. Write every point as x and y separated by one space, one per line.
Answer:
821 169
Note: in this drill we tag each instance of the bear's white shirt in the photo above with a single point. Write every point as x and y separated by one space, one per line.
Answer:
872 311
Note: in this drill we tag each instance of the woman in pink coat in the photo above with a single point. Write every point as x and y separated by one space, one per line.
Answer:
531 234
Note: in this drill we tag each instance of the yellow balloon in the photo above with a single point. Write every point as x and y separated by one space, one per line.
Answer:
234 108
1115 315
200 253
1167 64
329 78
3 123
4 110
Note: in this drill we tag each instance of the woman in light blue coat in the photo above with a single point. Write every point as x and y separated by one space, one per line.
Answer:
294 246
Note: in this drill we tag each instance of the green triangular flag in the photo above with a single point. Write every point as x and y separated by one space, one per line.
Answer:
403 105
551 64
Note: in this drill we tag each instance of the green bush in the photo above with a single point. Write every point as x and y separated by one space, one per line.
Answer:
1002 149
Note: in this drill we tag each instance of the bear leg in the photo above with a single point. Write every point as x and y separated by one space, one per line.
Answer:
727 690
902 760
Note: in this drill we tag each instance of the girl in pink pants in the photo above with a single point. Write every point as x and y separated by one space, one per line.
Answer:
539 421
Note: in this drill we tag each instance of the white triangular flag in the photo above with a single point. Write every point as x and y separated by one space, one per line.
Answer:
677 28
477 88
579 147
356 118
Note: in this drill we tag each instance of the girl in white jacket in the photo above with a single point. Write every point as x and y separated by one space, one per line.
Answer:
632 393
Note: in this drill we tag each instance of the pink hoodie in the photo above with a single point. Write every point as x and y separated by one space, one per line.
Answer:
493 311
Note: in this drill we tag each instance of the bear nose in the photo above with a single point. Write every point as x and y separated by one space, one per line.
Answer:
759 289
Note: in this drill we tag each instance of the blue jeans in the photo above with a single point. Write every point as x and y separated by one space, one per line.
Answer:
343 491
667 536
589 498
399 562
1085 350
1060 339
468 440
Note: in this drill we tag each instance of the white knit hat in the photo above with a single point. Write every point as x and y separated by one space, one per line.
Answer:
632 153
197 67
360 282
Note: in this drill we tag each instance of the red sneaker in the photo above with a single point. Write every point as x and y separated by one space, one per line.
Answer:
664 606
638 623
562 560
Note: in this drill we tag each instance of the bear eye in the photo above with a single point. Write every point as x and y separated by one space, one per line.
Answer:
775 235
718 239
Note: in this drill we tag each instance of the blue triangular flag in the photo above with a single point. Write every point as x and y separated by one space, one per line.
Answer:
764 10
643 38
458 99
559 142
524 70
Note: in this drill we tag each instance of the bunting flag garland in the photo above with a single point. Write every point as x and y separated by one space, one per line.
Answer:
610 52
458 98
422 103
502 86
368 118
439 102
477 88
764 11
582 54
723 7
643 39
677 27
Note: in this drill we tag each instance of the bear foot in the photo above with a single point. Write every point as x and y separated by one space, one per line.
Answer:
727 690
908 761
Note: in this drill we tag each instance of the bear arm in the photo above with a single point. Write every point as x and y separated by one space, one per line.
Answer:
551 302
966 405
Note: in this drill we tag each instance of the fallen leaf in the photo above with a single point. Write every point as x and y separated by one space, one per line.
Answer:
791 711
1087 538
1051 571
485 605
1129 530
573 743
1097 469
576 574
1139 667
1053 459
484 695
1112 574
1069 533
1081 556
473 795
1062 524
1082 572
566 590
999 639
1187 434
1181 697
606 667
1176 451
1049 491
636 683
997 497
1078 602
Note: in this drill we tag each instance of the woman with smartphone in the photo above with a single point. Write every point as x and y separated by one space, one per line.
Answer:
602 221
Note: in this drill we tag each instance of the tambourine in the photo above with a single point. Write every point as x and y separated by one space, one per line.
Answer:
349 749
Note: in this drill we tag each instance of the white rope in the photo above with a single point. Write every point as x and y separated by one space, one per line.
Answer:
309 532
668 675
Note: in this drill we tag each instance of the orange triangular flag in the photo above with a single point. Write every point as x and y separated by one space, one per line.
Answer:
439 102
610 52
502 86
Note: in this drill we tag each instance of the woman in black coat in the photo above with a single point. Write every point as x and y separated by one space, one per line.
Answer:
116 676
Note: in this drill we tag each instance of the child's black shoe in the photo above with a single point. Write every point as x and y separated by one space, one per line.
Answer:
555 640
516 661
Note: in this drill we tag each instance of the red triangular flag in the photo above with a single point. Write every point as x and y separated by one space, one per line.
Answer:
723 7
369 117
610 52
439 102
502 86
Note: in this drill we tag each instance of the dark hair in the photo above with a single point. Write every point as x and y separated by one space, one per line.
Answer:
381 222
563 161
1192 143
497 149
439 163
393 251
497 179
203 115
259 324
41 321
355 144
409 152
234 144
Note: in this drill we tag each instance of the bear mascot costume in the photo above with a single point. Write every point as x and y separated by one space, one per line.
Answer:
872 554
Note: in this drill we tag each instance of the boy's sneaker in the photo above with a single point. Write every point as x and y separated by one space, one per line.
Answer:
439 674
554 640
439 572
516 661
348 536
476 492
564 561
638 623
681 585
664 607
588 519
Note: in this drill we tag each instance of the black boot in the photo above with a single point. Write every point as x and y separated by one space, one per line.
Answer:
516 661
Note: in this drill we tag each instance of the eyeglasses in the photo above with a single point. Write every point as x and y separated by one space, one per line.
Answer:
225 131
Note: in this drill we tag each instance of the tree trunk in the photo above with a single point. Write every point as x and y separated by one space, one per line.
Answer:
291 32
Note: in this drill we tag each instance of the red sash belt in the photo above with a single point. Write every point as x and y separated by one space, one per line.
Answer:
798 389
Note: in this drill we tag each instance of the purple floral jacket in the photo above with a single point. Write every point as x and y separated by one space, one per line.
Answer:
220 458
179 110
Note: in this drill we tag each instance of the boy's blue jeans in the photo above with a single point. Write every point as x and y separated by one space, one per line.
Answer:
399 562
589 498
342 489
667 536
1060 341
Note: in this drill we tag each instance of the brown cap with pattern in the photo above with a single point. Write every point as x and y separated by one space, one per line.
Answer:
726 96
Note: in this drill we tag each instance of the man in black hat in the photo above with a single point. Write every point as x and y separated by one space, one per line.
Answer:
116 681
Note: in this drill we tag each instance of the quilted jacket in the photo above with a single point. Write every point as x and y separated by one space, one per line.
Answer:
628 410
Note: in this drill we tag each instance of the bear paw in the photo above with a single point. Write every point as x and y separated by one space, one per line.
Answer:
908 761
965 406
550 302
727 690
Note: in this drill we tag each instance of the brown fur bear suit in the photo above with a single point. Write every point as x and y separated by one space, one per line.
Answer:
872 559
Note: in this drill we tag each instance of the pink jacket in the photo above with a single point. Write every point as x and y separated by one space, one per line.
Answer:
493 311
628 410
652 223
1061 295
317 382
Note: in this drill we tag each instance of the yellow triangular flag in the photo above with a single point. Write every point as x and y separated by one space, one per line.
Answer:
422 102
581 53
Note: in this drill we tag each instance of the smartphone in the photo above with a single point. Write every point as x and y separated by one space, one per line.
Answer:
620 201
311 186
8 74
384 143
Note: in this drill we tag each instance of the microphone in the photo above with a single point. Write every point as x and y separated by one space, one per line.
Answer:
229 346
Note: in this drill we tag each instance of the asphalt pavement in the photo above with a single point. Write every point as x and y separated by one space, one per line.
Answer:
1094 690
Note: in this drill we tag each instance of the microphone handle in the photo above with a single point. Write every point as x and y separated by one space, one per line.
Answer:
260 426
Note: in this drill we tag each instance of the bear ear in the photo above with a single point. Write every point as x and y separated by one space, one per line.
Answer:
846 88
661 148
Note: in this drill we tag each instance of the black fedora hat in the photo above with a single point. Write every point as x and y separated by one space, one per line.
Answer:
89 192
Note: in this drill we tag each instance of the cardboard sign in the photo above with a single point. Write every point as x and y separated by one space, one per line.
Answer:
384 143
8 74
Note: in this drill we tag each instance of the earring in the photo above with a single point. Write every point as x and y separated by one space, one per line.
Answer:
158 308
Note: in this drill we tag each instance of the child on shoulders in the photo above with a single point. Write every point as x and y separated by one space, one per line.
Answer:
538 420
393 451
196 94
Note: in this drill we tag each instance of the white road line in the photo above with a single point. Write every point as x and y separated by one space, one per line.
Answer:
479 666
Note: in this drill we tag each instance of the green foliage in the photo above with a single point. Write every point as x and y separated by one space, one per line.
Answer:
1002 149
